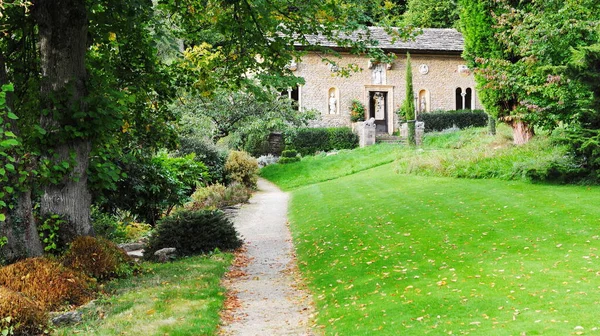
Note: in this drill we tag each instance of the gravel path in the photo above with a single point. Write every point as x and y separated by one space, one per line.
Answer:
268 298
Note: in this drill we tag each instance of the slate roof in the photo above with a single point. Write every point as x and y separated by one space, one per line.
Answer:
431 40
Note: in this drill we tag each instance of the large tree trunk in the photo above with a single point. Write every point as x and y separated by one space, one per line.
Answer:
62 26
19 227
522 132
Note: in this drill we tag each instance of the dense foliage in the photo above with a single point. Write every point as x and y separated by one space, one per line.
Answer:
98 258
154 186
439 121
194 232
431 13
532 84
308 141
241 168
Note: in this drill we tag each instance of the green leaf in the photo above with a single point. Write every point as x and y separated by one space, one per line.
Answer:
8 88
12 116
2 217
9 143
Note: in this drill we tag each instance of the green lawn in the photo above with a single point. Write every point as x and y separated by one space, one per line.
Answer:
176 298
393 254
314 169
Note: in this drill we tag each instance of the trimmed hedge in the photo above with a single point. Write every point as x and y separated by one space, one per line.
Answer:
439 121
308 141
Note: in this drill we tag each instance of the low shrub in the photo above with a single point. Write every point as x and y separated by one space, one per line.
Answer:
308 141
108 226
47 282
439 121
98 258
289 156
135 231
206 152
242 168
20 315
194 232
217 196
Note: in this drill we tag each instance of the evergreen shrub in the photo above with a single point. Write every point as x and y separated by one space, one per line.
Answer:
242 168
98 258
20 315
194 232
308 141
289 156
439 121
48 282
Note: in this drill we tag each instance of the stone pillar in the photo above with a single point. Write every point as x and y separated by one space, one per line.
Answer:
366 133
420 130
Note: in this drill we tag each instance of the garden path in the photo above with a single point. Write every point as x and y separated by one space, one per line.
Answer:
266 296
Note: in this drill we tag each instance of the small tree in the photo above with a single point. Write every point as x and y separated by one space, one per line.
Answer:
409 104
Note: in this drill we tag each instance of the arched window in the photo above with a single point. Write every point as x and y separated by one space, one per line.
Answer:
459 99
468 97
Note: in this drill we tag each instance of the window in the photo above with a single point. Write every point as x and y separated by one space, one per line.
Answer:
459 99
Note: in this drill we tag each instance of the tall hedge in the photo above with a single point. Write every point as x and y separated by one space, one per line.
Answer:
308 141
439 121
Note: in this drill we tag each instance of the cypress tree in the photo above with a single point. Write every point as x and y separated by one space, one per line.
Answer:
409 104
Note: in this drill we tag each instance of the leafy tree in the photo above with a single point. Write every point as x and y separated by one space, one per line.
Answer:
431 13
245 118
89 86
487 55
525 83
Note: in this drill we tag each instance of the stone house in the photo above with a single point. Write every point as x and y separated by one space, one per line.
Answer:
441 80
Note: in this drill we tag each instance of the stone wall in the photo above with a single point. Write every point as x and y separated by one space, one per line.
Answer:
444 74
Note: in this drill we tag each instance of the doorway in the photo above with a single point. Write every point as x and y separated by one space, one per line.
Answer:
378 109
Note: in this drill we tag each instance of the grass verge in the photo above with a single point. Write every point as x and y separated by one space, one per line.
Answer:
469 153
319 168
395 254
177 298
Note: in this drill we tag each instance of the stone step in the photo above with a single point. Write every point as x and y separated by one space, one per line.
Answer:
387 141
386 138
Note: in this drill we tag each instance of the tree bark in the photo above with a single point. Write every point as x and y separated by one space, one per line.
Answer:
62 29
19 228
522 132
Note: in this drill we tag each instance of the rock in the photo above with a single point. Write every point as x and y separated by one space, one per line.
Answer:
137 254
165 254
128 247
67 318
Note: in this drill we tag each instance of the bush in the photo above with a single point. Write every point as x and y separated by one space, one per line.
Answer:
20 315
98 258
308 141
108 226
194 232
242 168
342 138
47 282
153 187
206 152
218 196
357 111
289 156
135 231
439 121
